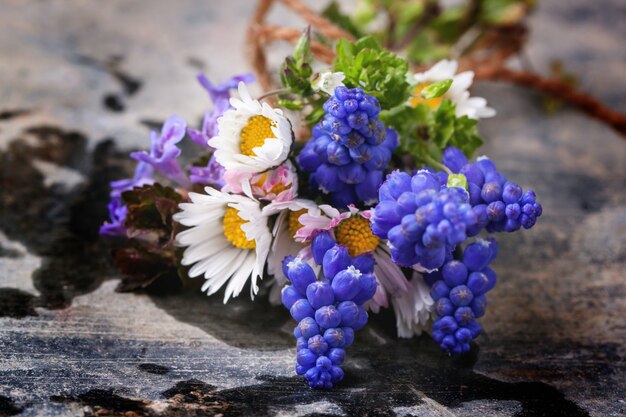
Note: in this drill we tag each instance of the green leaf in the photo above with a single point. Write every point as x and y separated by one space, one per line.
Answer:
296 70
378 72
457 180
437 89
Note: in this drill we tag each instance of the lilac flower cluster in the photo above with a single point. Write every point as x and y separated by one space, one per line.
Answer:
350 148
423 220
500 205
328 310
458 290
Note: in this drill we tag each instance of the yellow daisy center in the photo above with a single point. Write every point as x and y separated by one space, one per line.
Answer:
277 189
254 134
433 103
233 231
294 223
355 234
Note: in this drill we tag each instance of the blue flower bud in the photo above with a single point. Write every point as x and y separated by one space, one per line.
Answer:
336 356
464 315
461 296
454 159
357 119
289 295
351 141
477 255
323 363
368 285
361 320
335 259
308 327
301 343
349 311
486 165
348 336
454 273
305 357
478 305
439 290
300 274
352 173
317 344
301 309
446 324
496 211
473 174
444 307
327 317
320 293
334 337
320 244
391 140
511 192
512 225
344 197
337 154
346 284
301 370
513 211
326 177
308 159
475 329
477 282
364 263
491 191
423 181
336 374
396 183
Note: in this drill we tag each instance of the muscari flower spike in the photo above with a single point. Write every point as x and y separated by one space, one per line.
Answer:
350 148
328 309
422 219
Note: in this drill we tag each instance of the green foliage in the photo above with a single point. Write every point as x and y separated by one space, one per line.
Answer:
425 133
378 72
503 12
437 89
296 72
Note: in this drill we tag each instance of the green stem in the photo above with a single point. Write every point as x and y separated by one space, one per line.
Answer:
273 93
436 164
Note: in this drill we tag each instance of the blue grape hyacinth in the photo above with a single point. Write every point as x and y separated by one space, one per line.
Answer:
422 219
328 310
499 204
459 289
349 149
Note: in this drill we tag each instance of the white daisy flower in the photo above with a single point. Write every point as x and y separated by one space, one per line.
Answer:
253 137
228 240
284 243
327 82
472 107
278 184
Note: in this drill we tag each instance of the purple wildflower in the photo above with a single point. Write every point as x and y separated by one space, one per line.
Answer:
143 176
220 96
212 174
163 152
117 217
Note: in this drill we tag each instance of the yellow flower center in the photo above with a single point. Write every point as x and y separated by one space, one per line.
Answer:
433 103
294 223
233 231
277 189
355 234
254 134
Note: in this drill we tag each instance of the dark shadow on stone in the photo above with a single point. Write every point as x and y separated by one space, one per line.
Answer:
241 322
16 303
153 368
9 253
104 399
8 407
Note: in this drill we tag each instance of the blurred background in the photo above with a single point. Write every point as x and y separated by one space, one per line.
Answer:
81 84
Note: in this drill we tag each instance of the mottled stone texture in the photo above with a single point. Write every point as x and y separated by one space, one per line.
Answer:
81 81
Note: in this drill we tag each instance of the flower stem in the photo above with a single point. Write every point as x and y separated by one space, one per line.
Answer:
273 93
436 164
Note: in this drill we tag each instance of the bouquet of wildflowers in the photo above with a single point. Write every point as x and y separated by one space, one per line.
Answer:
350 190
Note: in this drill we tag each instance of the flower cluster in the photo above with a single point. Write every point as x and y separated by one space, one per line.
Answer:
328 310
349 148
351 194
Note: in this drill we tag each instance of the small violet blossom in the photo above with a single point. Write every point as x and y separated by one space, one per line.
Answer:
220 96
164 152
117 217
212 174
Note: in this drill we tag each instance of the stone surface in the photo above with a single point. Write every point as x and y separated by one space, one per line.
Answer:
81 84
